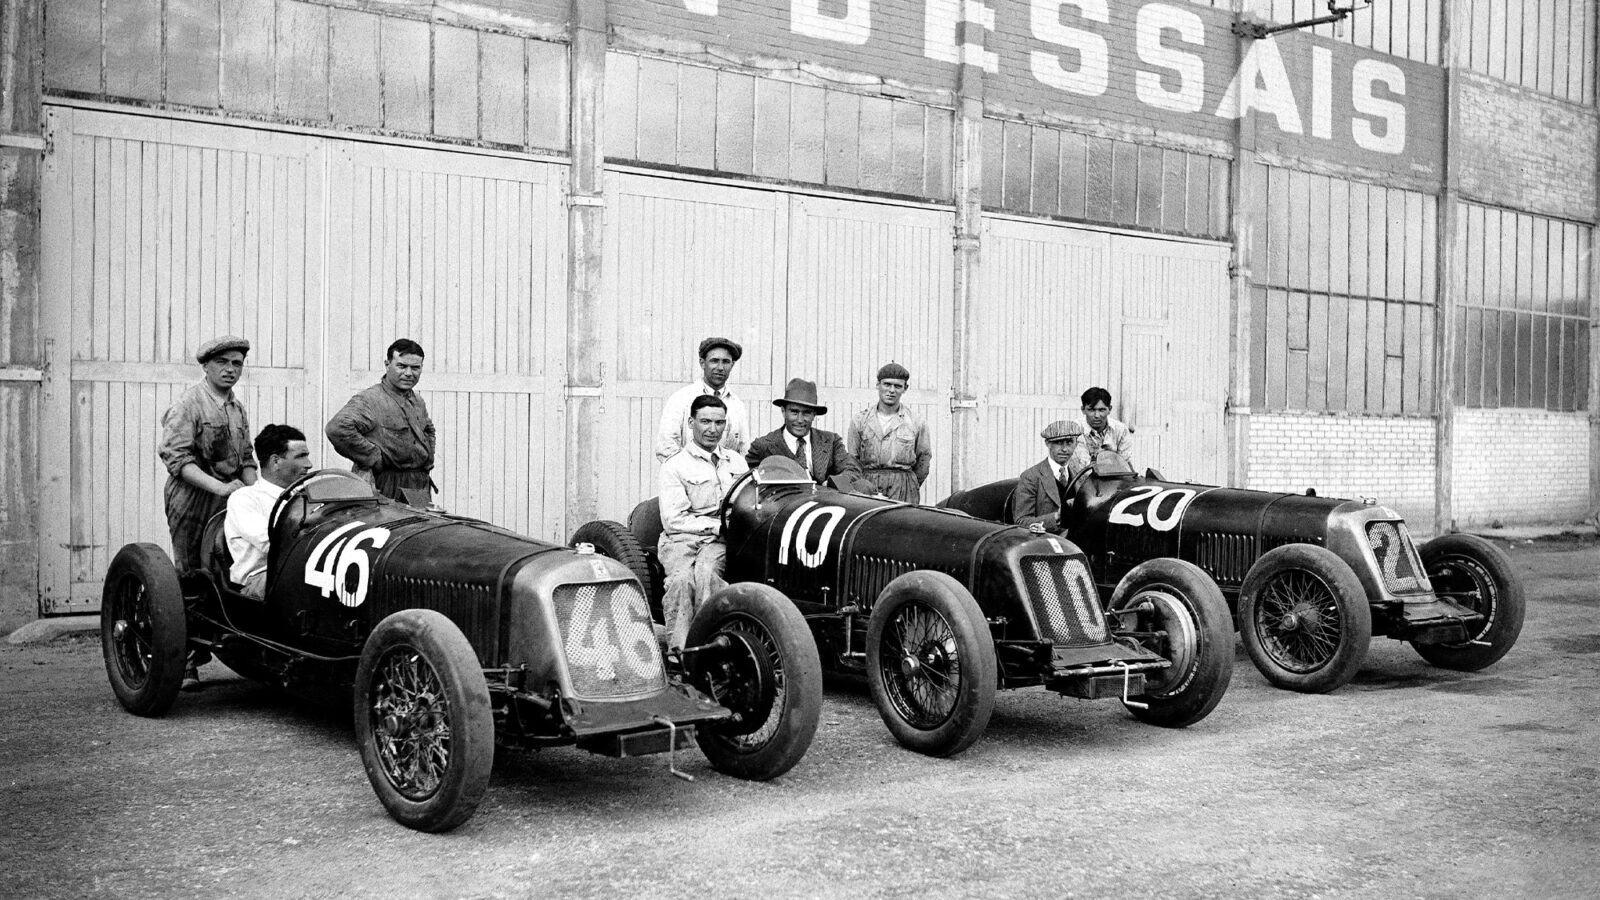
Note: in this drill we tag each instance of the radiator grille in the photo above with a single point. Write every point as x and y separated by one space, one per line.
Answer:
1225 557
869 575
471 607
1397 558
610 646
1065 600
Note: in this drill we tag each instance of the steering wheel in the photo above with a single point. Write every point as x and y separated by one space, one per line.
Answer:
299 486
739 484
1069 494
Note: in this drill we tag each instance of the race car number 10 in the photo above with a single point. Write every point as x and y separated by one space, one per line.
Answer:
337 557
1127 511
797 533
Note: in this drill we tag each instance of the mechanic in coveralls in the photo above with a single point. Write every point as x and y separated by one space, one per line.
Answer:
891 441
386 431
205 446
692 483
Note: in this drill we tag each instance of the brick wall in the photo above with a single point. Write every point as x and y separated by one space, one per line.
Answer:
1387 457
1525 150
1520 465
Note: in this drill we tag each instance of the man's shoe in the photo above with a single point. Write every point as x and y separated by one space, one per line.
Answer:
191 679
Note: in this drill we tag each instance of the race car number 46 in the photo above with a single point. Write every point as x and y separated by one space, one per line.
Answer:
339 557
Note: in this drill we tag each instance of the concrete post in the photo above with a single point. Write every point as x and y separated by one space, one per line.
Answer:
1242 189
1594 336
967 388
585 238
21 350
1447 303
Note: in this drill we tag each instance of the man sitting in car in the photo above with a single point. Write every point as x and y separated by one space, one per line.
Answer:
1041 489
1104 432
284 457
692 483
821 453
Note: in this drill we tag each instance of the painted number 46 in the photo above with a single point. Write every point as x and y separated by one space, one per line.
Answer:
338 556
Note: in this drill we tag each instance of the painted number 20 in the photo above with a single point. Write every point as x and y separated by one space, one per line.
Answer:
1152 514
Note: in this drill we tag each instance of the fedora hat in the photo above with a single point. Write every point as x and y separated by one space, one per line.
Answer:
801 392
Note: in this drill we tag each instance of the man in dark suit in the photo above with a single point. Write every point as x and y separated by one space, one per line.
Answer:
821 453
1038 499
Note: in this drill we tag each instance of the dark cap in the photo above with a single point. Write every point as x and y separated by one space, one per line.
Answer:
801 392
894 370
221 345
710 343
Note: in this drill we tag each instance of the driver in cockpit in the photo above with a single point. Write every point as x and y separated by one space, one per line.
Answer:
284 457
1041 489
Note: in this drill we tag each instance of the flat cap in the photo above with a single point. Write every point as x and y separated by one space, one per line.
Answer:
1062 430
894 370
221 345
711 342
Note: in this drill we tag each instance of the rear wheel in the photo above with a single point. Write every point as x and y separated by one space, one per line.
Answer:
423 720
1478 575
1174 609
762 665
615 540
143 634
931 664
1304 618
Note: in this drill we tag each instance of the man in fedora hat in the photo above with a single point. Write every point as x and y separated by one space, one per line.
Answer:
717 356
1041 489
821 453
891 440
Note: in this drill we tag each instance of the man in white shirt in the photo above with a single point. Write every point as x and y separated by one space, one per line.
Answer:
717 356
284 457
1041 489
692 484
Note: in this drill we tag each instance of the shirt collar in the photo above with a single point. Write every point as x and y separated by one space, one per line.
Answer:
394 391
709 391
793 444
720 454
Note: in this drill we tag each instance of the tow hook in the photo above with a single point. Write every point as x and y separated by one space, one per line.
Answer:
672 747
1127 676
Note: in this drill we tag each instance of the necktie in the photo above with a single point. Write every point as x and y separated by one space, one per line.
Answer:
800 454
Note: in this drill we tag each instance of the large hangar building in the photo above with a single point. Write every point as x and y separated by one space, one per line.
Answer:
1353 256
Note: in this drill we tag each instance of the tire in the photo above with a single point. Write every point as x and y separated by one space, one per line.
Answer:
768 673
1187 623
144 636
615 540
421 703
931 664
1478 575
1304 618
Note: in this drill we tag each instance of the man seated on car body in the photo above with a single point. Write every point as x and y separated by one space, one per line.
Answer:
1104 432
820 453
891 441
284 458
1041 488
692 483
717 357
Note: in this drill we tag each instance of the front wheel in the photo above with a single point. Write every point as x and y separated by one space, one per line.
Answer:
423 720
1304 618
1478 575
143 633
930 663
1175 610
760 662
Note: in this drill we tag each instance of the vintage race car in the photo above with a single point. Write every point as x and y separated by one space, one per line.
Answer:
452 636
939 610
1311 578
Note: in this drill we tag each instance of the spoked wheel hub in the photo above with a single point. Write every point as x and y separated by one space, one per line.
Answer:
411 724
923 684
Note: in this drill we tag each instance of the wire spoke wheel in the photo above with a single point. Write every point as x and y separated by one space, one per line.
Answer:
143 629
132 632
921 666
1299 623
410 723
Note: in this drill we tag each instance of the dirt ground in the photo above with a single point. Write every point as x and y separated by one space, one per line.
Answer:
1410 782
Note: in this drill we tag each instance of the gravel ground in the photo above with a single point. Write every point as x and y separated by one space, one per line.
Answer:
1410 782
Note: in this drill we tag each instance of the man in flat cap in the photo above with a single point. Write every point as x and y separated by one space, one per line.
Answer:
890 440
205 447
1041 489
717 356
821 453
386 430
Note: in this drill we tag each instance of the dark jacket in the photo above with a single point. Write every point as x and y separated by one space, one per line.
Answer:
826 449
1038 497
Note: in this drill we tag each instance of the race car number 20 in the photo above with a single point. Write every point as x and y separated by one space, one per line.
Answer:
1157 513
339 565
